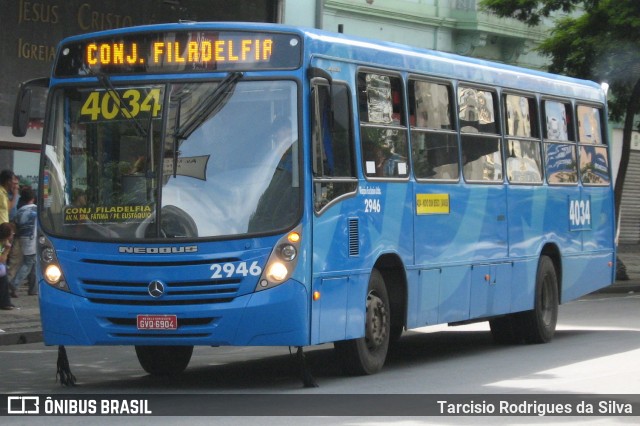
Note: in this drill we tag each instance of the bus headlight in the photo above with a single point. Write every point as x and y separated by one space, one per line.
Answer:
52 274
49 265
277 272
282 262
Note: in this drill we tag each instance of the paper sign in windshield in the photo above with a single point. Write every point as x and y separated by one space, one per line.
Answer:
105 214
194 167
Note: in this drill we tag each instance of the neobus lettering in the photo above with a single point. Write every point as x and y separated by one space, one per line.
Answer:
157 250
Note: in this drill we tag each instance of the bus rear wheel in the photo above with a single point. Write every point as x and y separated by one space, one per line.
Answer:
164 360
540 323
367 354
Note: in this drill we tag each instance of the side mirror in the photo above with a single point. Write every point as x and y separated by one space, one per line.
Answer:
22 110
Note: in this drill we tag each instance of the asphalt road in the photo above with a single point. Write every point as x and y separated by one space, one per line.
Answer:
595 351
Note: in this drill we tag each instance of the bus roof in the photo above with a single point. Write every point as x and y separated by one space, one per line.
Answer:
394 56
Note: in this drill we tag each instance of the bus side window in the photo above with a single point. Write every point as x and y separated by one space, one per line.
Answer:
481 146
524 156
594 157
560 151
383 132
434 143
334 168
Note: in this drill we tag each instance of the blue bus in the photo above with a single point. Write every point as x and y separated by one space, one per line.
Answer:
256 184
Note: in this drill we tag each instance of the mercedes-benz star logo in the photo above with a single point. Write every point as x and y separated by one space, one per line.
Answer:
156 288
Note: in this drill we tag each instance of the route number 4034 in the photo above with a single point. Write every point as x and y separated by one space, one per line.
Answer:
580 213
129 103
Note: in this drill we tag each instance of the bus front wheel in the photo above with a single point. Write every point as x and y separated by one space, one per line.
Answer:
164 360
367 354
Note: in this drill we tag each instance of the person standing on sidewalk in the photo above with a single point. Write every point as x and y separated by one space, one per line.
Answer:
7 232
7 186
15 257
26 231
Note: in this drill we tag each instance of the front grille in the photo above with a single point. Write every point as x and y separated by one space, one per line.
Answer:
176 292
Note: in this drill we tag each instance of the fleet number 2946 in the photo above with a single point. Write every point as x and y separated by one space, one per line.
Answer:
228 269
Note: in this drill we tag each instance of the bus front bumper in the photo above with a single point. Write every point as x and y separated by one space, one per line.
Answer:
274 317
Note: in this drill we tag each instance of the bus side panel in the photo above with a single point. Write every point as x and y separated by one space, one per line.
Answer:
600 236
531 224
345 254
585 274
523 284
332 267
332 308
557 220
598 243
428 296
490 290
453 303
526 221
473 230
338 274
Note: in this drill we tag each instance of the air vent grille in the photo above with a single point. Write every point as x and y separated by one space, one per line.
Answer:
354 237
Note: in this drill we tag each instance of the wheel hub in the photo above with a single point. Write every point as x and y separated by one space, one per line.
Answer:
376 329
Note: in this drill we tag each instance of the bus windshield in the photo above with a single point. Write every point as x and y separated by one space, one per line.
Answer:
179 160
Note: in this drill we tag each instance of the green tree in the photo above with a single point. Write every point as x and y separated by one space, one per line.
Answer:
600 44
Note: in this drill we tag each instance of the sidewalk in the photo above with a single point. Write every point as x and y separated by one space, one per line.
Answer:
22 325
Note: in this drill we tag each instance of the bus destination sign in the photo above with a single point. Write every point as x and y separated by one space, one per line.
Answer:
174 52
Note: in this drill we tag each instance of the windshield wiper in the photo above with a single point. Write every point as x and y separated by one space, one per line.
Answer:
216 101
125 112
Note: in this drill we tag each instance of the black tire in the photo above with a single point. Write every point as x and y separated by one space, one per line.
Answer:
506 330
367 354
539 324
396 333
164 360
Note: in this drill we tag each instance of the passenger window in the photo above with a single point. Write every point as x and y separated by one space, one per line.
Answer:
382 126
558 121
434 143
334 168
560 151
481 146
589 125
523 150
594 156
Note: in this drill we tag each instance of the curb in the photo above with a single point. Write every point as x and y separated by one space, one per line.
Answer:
20 337
619 288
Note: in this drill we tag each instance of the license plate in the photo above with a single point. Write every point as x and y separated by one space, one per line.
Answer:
157 322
